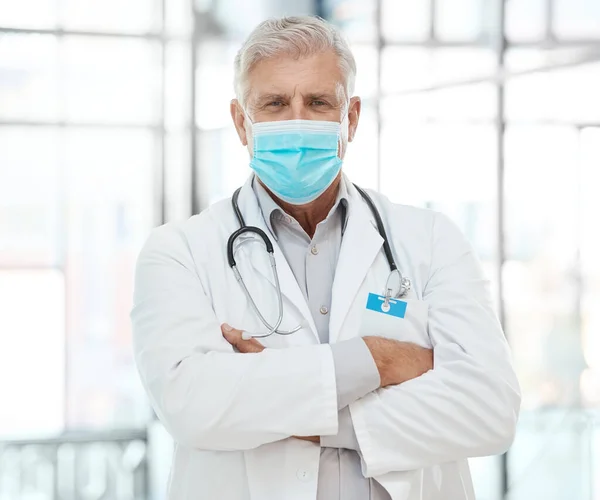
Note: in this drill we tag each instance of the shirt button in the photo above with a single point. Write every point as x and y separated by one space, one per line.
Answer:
314 250
303 475
323 310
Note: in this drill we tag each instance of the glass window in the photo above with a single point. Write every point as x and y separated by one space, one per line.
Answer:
552 456
109 175
236 19
446 167
214 83
542 310
577 19
28 13
485 472
178 17
417 68
177 93
177 176
526 20
407 72
589 154
465 102
366 70
564 95
356 18
360 163
31 189
132 16
416 154
223 164
406 68
111 80
102 80
407 20
29 77
459 19
32 351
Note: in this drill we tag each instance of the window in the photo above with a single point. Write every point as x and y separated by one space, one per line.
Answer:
454 122
81 180
32 351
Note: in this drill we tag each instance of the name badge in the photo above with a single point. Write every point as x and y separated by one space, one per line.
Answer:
393 307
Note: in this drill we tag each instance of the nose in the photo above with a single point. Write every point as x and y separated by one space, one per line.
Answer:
298 110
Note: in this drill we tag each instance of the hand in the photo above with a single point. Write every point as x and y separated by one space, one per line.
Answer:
234 337
312 439
398 361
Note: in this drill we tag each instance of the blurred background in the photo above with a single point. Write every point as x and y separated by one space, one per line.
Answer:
114 118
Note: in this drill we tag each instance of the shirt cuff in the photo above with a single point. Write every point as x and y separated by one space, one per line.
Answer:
356 373
346 437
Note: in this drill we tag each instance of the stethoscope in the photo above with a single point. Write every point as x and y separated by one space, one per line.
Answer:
404 283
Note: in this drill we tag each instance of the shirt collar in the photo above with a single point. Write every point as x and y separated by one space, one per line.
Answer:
270 209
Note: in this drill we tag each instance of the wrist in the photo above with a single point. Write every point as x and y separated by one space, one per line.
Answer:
377 347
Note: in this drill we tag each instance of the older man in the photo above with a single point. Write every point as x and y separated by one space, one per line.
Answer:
329 375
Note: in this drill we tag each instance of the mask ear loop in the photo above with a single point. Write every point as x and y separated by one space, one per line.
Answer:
247 117
339 148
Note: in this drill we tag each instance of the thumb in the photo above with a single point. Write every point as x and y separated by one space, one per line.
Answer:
234 337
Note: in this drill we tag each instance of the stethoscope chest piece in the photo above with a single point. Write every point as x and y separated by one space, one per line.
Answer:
397 286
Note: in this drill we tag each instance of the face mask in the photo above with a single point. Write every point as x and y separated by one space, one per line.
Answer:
296 159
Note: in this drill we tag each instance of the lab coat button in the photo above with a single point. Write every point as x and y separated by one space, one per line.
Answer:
303 475
323 310
314 250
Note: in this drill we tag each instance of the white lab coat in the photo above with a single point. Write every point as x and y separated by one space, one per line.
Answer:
232 415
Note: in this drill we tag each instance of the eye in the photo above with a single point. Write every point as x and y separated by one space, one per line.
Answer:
318 102
275 104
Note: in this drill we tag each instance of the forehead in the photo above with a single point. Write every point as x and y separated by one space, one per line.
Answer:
286 74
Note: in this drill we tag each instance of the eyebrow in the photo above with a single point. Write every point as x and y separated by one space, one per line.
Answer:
323 95
263 99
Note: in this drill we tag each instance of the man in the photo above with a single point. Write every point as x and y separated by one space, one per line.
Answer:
341 391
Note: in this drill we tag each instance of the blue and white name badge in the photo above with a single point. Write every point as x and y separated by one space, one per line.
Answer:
401 319
391 307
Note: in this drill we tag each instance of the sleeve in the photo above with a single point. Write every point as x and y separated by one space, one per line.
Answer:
206 395
346 437
356 373
468 405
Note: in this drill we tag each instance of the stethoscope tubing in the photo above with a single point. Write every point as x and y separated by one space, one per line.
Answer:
404 282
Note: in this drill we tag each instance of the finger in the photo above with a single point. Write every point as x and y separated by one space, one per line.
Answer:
252 345
234 337
312 439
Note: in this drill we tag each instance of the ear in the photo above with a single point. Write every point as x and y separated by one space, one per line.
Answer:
239 120
353 116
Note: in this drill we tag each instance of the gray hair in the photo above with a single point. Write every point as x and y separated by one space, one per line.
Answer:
297 36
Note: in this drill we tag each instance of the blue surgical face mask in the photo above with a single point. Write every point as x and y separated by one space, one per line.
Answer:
296 159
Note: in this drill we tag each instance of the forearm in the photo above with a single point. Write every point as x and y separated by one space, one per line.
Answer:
206 395
227 401
458 410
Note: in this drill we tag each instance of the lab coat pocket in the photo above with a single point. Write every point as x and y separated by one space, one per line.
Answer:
409 326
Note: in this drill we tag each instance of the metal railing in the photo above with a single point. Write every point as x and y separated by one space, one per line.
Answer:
556 455
76 466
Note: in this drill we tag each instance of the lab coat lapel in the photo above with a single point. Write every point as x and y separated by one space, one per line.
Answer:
360 245
289 286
